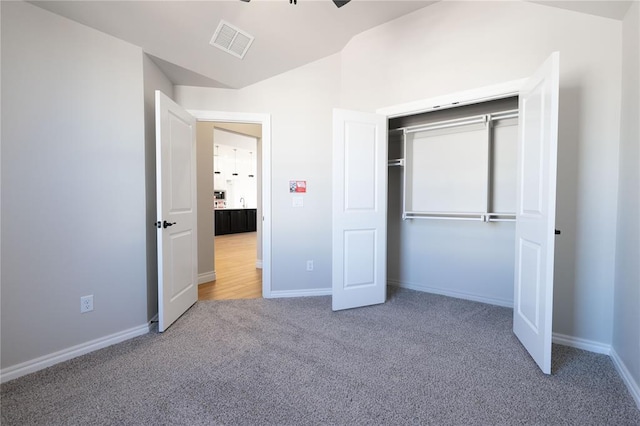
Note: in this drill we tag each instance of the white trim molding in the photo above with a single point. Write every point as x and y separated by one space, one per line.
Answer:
579 343
456 294
19 370
206 277
482 94
300 293
627 378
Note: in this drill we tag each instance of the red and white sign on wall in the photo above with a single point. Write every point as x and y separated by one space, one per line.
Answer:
298 186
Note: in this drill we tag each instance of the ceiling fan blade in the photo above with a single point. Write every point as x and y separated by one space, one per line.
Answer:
341 3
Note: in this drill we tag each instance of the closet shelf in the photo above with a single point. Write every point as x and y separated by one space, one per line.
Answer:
478 216
458 122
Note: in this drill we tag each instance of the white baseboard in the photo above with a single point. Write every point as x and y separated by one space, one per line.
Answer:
579 343
457 294
300 293
627 378
15 371
259 264
206 277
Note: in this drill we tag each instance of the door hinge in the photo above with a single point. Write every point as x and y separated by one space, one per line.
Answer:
157 224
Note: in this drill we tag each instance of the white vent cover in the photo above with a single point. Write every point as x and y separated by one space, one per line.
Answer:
231 39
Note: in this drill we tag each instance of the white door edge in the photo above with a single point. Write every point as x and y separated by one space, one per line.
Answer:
265 121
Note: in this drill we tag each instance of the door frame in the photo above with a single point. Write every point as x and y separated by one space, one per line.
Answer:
265 121
457 99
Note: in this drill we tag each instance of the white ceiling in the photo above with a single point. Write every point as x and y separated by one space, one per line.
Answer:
614 9
176 34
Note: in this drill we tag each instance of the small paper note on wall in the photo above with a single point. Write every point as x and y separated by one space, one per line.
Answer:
298 186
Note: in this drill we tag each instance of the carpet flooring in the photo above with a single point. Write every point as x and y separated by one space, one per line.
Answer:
417 359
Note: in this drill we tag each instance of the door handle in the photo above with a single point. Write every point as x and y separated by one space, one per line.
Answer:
166 224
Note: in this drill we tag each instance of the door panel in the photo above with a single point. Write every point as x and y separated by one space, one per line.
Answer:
360 258
176 205
359 184
535 213
359 209
530 266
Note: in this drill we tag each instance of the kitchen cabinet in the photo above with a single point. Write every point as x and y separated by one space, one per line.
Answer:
232 221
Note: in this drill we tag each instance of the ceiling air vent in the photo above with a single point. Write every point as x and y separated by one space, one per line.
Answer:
231 39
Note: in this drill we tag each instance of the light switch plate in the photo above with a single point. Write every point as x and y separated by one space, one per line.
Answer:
297 202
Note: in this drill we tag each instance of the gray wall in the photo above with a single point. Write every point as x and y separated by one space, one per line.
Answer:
626 321
154 80
204 159
73 194
300 150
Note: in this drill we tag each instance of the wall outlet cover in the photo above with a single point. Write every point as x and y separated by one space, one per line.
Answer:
86 304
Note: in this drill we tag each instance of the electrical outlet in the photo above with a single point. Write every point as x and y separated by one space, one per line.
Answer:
309 265
86 304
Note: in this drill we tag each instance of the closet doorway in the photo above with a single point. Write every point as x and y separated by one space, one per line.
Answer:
452 201
360 166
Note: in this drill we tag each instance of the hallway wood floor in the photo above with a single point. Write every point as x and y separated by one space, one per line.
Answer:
236 274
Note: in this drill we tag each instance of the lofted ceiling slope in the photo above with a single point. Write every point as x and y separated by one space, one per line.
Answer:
176 34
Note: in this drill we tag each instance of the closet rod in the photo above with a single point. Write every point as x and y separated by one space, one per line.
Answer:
446 124
484 217
429 215
505 114
447 217
461 121
475 218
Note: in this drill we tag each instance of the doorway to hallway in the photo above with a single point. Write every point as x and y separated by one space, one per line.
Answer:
260 257
236 274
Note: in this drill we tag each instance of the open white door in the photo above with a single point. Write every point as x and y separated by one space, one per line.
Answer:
536 212
176 210
359 255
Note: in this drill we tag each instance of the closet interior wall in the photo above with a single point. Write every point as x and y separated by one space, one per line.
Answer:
470 259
